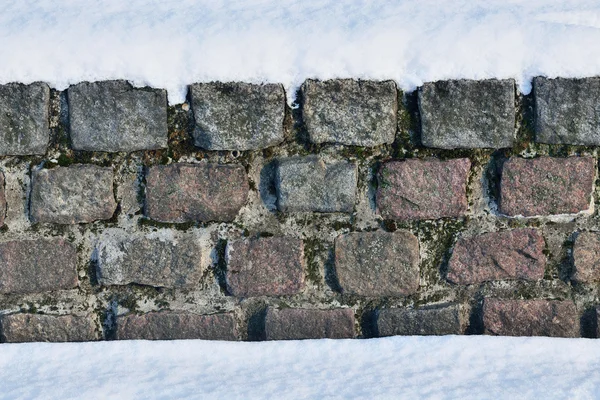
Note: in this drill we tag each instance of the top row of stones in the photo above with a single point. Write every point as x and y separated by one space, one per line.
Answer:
113 116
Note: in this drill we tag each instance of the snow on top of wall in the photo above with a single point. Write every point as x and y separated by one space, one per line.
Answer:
170 44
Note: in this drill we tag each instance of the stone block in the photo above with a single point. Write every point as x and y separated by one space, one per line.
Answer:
586 257
443 320
296 324
20 328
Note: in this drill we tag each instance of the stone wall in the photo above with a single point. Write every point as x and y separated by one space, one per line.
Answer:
361 211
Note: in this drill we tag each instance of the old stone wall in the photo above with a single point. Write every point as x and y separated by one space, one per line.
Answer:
361 211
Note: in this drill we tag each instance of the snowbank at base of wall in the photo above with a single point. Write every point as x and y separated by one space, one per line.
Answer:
449 367
170 44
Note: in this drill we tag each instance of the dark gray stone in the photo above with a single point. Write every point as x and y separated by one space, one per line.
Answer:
378 263
308 184
20 328
162 258
114 116
351 112
34 266
297 323
567 111
237 116
169 325
445 320
24 119
468 113
72 195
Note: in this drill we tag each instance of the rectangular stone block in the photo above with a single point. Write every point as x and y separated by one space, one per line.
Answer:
566 110
514 254
468 113
170 325
308 184
237 115
351 112
443 320
162 259
530 318
20 328
297 323
24 119
195 192
546 186
72 195
586 257
423 189
40 265
377 263
270 266
113 116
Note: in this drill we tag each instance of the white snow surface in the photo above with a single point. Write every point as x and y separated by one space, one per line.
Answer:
450 367
172 43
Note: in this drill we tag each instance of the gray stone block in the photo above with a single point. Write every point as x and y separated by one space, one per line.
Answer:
72 195
351 112
468 114
297 323
237 116
24 119
161 259
113 116
567 111
20 328
308 184
444 320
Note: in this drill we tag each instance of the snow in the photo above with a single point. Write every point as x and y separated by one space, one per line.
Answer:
170 44
450 367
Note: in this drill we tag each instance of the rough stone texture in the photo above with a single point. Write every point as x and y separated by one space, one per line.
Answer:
167 325
468 114
162 259
114 116
195 192
351 112
445 320
2 200
24 116
530 318
128 193
567 110
423 189
19 328
297 323
270 266
546 186
515 254
237 116
308 184
33 266
72 195
378 263
586 257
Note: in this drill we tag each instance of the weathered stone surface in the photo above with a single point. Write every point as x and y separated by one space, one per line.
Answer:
515 254
566 110
586 257
270 266
114 116
468 113
19 328
378 263
297 323
72 195
24 119
195 192
237 116
546 186
168 325
162 258
351 112
128 193
423 189
308 184
530 318
2 199
33 266
444 320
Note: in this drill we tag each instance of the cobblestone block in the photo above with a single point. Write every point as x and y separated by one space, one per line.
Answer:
444 320
586 257
20 328
295 324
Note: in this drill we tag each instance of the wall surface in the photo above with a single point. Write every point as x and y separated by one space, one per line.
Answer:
362 211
